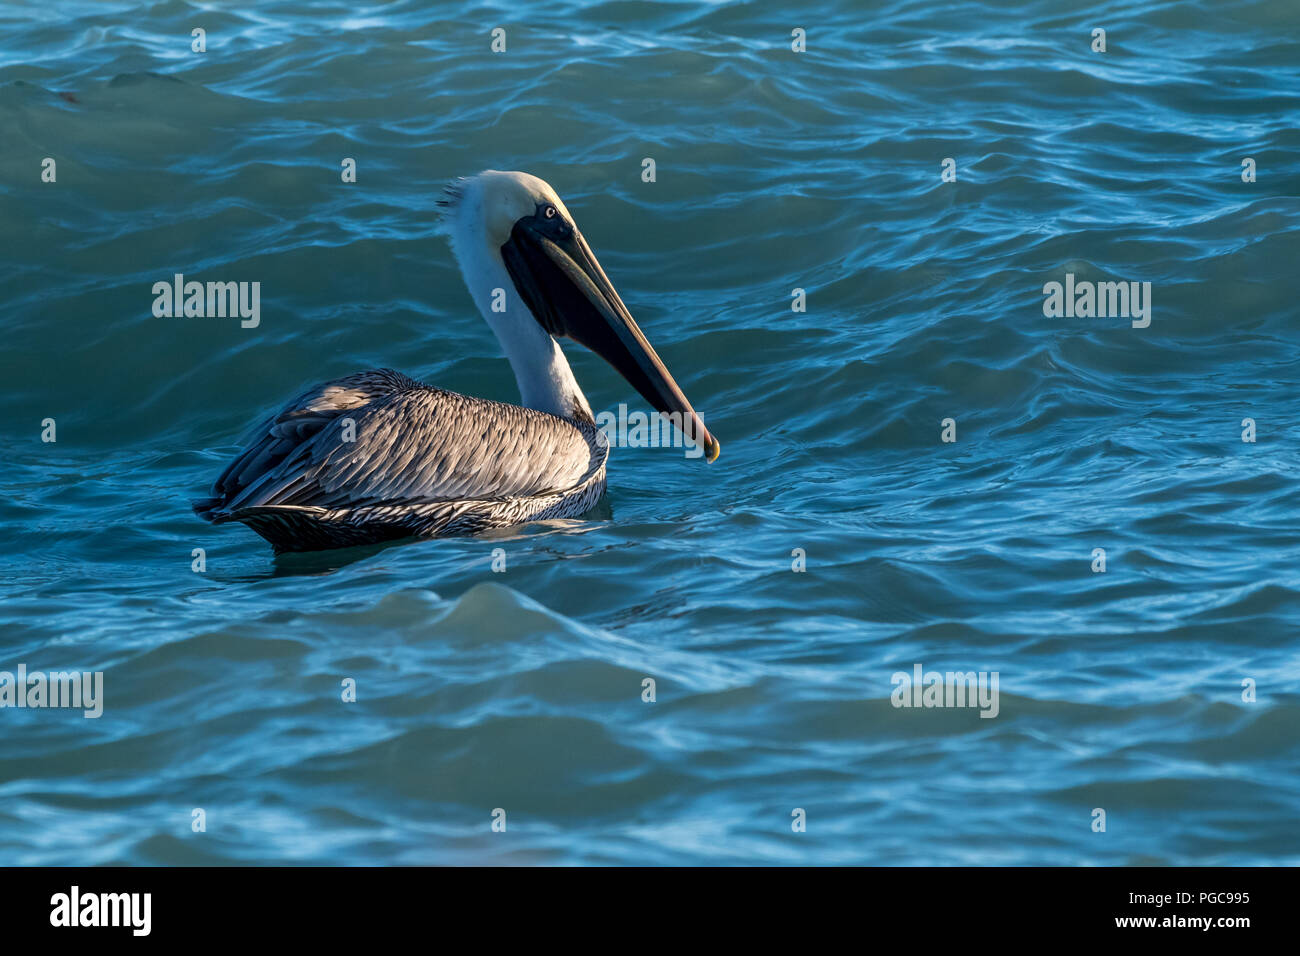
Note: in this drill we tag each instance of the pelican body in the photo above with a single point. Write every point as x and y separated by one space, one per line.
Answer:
376 455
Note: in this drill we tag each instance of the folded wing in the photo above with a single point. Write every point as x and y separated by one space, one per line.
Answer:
379 440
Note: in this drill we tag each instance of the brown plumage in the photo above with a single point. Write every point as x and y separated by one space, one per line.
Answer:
423 461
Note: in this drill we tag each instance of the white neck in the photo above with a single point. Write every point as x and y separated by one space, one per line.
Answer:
546 382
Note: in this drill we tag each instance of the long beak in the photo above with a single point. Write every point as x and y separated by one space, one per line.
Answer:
560 280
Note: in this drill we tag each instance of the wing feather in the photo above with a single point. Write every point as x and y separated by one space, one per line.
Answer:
413 443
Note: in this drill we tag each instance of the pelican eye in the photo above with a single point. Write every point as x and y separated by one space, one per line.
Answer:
550 212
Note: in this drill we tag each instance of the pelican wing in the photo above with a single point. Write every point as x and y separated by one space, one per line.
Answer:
379 438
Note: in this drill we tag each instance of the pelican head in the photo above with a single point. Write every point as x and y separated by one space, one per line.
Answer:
535 279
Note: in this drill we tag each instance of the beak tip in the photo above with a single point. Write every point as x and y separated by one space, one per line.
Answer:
712 450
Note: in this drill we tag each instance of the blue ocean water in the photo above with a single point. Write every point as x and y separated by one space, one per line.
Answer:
1162 690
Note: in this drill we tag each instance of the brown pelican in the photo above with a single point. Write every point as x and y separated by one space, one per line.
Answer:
376 455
